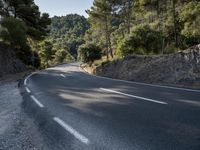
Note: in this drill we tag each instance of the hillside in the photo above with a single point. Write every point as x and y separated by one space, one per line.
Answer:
8 61
69 31
180 69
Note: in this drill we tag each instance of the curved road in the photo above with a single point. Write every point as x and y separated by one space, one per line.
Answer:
97 113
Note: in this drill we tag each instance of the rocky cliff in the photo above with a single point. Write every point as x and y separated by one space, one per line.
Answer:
182 68
8 61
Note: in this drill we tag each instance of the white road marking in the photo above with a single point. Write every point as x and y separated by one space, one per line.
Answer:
27 90
138 97
62 75
25 81
76 134
139 83
37 101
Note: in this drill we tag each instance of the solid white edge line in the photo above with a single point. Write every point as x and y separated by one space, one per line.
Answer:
138 97
26 79
27 90
68 128
140 83
36 101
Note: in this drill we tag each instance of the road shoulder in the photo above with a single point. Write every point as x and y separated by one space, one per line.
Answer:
17 130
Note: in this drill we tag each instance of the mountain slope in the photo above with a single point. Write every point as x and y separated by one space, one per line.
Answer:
69 31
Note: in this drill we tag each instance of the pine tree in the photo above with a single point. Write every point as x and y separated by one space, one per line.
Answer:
100 16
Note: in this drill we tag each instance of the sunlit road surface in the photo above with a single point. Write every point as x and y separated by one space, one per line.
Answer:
103 114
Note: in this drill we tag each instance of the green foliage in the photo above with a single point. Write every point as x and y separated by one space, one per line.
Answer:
68 31
190 17
172 25
60 56
158 26
27 11
22 20
46 53
102 23
89 52
14 32
142 40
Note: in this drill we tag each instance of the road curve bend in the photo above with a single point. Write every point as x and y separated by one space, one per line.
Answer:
80 111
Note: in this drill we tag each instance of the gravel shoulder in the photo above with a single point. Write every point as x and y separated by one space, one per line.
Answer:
17 130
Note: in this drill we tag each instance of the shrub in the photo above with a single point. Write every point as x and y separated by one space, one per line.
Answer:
190 18
142 40
14 32
89 52
60 56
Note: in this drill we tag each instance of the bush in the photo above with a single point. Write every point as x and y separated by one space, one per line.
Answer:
89 52
60 56
142 40
189 16
14 32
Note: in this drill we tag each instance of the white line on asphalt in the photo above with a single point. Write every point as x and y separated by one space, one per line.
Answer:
140 83
37 101
76 134
62 75
138 97
27 90
25 81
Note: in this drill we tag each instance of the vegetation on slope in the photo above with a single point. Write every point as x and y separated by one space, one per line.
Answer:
22 21
68 31
124 27
115 28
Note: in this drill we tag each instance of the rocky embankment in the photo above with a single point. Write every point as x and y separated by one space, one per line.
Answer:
8 62
179 69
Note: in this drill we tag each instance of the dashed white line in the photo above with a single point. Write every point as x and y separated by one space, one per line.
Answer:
36 101
25 81
129 95
75 133
27 90
62 75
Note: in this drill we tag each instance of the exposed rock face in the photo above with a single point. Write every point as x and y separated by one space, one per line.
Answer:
182 68
8 61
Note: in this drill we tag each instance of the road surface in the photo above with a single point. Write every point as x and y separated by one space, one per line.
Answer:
92 113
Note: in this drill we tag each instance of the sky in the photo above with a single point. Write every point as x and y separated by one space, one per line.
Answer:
63 7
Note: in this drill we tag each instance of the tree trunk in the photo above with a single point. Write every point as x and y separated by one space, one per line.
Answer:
108 40
106 35
129 16
174 19
109 45
107 56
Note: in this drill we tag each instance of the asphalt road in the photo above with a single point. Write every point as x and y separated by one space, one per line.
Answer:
96 113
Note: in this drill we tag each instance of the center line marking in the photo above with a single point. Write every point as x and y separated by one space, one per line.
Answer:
62 75
138 97
27 90
36 101
75 133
